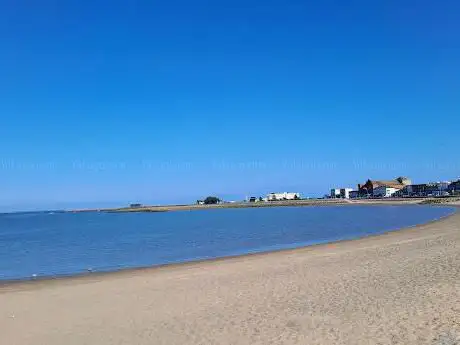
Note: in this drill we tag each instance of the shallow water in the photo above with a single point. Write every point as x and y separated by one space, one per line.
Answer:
55 244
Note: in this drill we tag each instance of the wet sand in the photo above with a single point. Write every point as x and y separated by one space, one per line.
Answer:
398 288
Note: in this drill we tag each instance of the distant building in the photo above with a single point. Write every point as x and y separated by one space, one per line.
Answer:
340 193
367 189
255 199
413 190
417 189
354 194
454 187
425 189
384 192
283 196
437 188
335 193
135 205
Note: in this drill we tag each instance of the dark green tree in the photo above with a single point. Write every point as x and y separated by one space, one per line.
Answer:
211 200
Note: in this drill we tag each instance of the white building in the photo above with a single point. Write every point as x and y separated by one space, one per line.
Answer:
283 196
341 193
384 192
335 193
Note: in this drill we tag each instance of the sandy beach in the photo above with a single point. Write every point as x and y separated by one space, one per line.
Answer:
398 288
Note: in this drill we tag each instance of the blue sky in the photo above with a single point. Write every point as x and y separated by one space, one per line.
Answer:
105 103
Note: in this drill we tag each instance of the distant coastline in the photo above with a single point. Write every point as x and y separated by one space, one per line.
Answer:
293 203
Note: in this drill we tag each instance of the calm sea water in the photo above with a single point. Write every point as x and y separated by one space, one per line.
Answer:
57 244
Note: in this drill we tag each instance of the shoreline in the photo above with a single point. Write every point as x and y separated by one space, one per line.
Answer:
97 275
285 203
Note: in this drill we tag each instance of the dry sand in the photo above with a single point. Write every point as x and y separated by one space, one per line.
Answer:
398 288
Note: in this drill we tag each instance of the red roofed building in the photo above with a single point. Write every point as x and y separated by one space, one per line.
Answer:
367 189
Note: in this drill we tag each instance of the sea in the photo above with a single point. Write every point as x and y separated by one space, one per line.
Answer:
52 244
